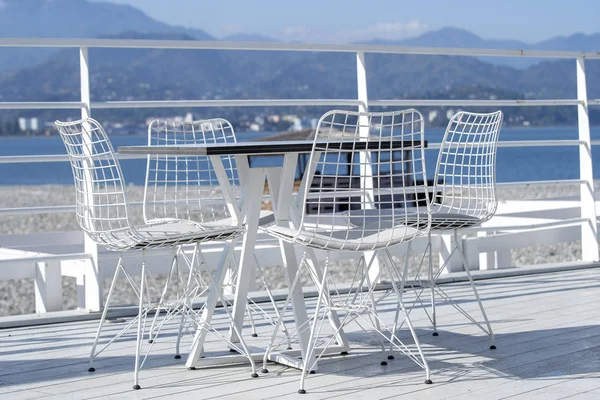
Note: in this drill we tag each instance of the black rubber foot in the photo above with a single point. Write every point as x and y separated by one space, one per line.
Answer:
492 347
255 335
191 368
177 356
344 353
435 334
136 387
390 357
91 369
312 372
301 391
428 381
150 341
254 375
384 363
289 348
264 371
232 351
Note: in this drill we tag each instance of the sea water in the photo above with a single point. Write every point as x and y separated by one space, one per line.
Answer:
514 164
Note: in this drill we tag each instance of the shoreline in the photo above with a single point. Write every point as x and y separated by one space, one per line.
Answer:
17 296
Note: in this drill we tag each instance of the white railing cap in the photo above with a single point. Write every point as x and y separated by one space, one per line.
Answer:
279 46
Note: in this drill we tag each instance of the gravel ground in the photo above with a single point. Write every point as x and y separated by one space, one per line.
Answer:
17 296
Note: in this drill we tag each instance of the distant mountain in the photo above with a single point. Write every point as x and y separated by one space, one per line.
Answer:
576 42
159 74
74 19
87 19
454 37
248 37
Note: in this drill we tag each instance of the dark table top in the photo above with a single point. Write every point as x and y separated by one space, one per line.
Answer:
273 147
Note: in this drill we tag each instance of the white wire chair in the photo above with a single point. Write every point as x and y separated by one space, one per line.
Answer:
102 212
186 187
359 183
465 196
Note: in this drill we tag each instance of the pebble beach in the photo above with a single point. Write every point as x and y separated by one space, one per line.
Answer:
17 296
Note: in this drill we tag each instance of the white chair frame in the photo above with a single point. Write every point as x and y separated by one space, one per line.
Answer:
464 194
186 187
102 212
359 214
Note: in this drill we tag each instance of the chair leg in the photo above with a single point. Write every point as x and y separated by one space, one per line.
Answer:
308 361
273 303
281 315
374 310
184 307
397 314
103 318
188 299
162 300
196 349
249 312
418 345
138 348
475 292
399 291
430 279
237 331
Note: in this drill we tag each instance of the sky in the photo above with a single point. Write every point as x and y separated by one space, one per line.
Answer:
342 21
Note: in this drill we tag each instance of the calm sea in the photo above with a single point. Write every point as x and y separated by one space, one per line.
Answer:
514 164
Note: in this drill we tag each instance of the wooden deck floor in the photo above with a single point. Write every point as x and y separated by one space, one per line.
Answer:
547 333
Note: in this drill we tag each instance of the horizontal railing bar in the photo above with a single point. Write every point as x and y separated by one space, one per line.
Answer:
40 105
48 257
64 157
536 143
520 143
279 46
465 102
226 103
282 103
55 158
542 183
70 208
49 209
541 225
37 210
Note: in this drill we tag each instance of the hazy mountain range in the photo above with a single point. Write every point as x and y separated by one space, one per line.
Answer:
53 75
86 19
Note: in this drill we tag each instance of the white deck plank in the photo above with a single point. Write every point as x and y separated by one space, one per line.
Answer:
547 335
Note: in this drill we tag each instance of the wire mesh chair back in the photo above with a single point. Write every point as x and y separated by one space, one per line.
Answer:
186 187
101 202
368 168
466 168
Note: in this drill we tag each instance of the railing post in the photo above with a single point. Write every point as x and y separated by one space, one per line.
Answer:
93 296
362 95
84 79
361 82
366 170
589 239
48 287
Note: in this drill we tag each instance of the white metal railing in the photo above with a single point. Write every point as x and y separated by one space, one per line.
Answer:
587 219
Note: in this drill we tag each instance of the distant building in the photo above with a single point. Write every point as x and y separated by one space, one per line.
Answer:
29 124
296 125
432 115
